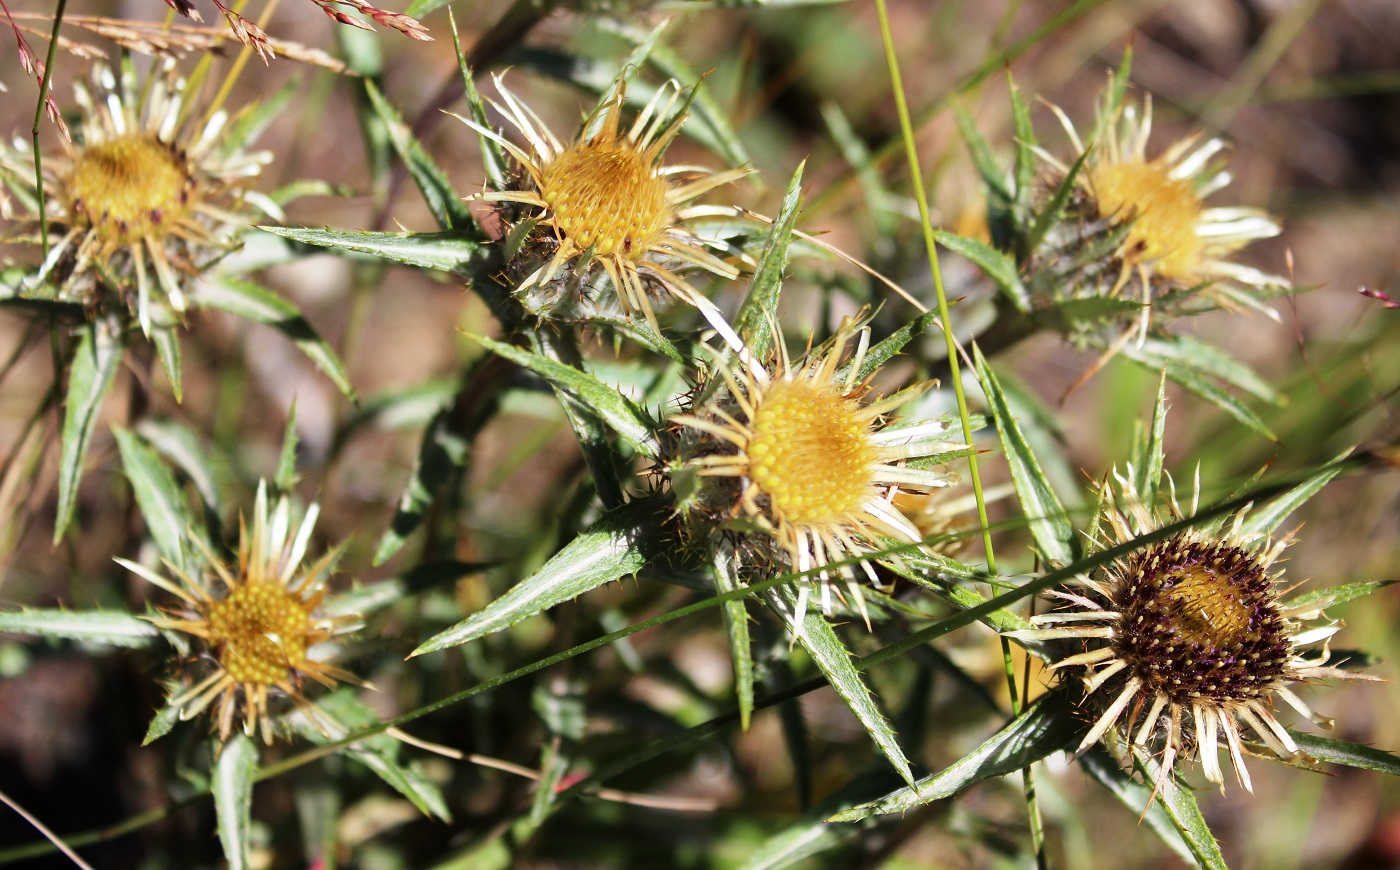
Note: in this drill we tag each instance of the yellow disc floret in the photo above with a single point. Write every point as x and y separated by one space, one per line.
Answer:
607 196
1205 608
260 630
128 188
811 452
1165 212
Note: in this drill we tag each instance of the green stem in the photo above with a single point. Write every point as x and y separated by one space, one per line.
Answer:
44 85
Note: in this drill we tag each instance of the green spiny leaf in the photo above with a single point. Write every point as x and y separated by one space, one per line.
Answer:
233 798
105 627
90 376
754 323
619 544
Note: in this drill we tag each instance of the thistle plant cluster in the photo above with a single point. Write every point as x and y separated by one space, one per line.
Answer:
729 426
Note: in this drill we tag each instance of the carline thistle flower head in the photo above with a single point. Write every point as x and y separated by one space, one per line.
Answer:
1186 643
793 451
148 196
1171 252
258 636
606 199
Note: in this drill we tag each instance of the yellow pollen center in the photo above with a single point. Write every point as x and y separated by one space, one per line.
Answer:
811 453
128 188
260 631
1205 608
1166 212
607 196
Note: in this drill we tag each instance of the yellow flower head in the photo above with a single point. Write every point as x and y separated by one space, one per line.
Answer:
1169 241
606 198
796 452
147 197
1186 643
260 633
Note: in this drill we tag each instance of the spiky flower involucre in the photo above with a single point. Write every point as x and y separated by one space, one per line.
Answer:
606 199
793 450
147 197
1186 643
258 636
1166 249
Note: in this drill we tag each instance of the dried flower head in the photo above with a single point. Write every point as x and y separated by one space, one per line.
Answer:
606 198
1186 642
795 452
259 635
1139 227
147 197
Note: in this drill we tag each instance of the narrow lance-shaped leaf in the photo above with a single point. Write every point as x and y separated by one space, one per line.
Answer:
607 403
619 544
233 798
445 204
1049 524
1271 515
167 344
736 626
832 658
997 266
493 158
106 627
379 753
1348 754
754 322
1049 725
286 476
1205 388
248 300
447 251
889 347
180 445
162 504
1180 803
90 376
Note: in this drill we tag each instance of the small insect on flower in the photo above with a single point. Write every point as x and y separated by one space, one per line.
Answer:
793 450
257 637
1169 250
148 197
605 198
1186 642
